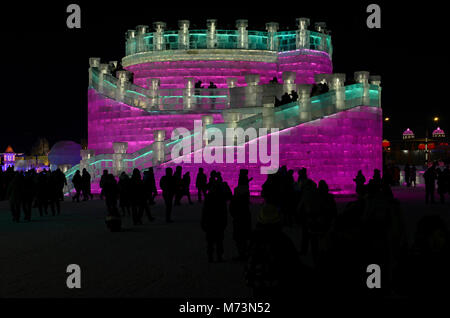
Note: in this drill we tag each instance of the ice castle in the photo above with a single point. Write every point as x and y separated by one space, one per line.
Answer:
132 112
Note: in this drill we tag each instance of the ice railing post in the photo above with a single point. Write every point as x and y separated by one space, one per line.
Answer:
376 80
183 34
272 28
123 78
141 31
211 40
289 81
120 150
206 120
304 102
188 93
302 35
94 62
251 90
268 112
153 87
158 36
362 78
130 37
103 69
158 147
241 26
337 82
321 29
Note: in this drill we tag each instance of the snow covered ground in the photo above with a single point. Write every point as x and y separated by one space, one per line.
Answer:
151 260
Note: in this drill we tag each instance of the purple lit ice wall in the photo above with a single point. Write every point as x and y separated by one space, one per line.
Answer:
111 121
173 73
333 149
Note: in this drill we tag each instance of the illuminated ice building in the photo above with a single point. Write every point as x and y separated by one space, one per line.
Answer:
134 111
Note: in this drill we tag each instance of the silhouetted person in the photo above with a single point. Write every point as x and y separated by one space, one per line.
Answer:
201 183
14 195
285 98
360 180
430 183
167 185
54 193
186 182
42 193
242 223
138 198
111 192
102 182
124 194
294 96
77 184
178 183
407 175
86 185
150 185
413 175
27 195
273 268
274 80
61 182
308 212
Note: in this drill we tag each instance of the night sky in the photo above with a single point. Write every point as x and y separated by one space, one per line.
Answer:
45 73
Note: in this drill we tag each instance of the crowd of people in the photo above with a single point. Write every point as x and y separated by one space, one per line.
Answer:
28 190
370 229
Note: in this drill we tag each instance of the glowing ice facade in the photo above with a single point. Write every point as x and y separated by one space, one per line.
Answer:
130 122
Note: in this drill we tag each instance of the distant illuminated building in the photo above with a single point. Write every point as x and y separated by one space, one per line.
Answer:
9 158
438 133
408 134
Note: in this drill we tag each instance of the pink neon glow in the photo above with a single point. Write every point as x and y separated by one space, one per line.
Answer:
111 121
333 148
173 73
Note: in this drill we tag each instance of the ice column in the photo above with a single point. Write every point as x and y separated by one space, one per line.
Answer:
188 93
289 81
362 78
183 34
231 119
120 150
141 30
304 102
130 36
376 80
153 87
122 84
103 69
337 82
321 29
86 154
158 147
93 62
206 120
241 26
272 28
268 112
251 90
211 40
158 36
302 36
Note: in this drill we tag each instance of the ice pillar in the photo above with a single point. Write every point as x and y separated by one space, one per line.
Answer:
158 36
337 82
122 83
241 26
130 36
272 28
251 90
158 147
211 40
120 150
362 78
103 69
141 31
231 83
188 93
289 81
304 102
302 36
183 34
